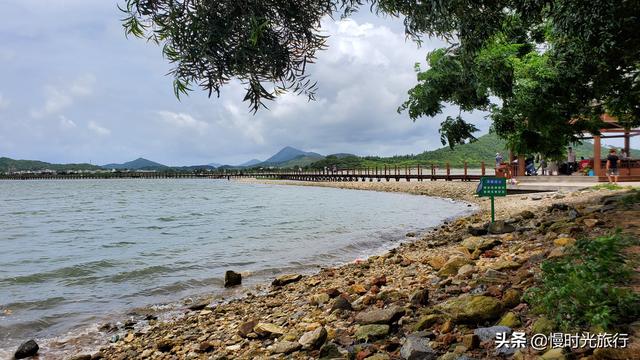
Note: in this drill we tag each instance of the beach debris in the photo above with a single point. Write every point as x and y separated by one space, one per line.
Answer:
232 278
26 349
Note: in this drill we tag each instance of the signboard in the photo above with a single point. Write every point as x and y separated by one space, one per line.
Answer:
492 187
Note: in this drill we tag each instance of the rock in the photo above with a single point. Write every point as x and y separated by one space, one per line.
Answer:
420 297
477 231
504 264
378 356
286 279
313 339
437 262
81 357
26 349
471 341
232 278
591 223
466 270
410 234
554 354
165 345
417 348
511 298
246 328
509 319
474 243
382 316
358 289
371 331
542 326
535 197
472 308
564 241
556 253
526 215
452 265
319 299
500 227
333 292
447 327
428 321
267 329
340 303
489 333
198 306
379 281
330 351
285 347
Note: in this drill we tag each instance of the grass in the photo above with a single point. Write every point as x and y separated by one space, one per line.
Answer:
607 187
585 289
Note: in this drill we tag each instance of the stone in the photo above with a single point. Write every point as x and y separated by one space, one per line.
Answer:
81 357
471 341
437 262
420 297
466 270
313 339
198 306
382 316
554 354
330 351
358 289
371 331
474 243
526 215
283 280
511 298
591 223
542 326
477 231
500 227
428 321
452 265
379 281
472 308
447 327
267 329
320 299
489 333
564 241
509 319
333 292
165 345
504 264
246 328
340 303
417 348
26 349
556 253
285 347
232 278
410 234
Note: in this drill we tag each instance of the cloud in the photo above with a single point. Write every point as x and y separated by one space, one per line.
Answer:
98 129
66 123
182 121
4 102
60 98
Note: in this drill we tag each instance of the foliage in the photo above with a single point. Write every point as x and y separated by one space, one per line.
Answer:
585 288
8 165
607 187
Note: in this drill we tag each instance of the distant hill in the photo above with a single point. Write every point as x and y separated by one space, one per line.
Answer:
8 164
137 164
250 163
214 165
289 153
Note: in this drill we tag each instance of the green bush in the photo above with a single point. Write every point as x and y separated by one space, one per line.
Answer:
585 288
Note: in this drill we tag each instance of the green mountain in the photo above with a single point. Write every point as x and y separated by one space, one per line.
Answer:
137 164
9 165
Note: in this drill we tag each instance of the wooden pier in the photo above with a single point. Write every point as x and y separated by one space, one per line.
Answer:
386 173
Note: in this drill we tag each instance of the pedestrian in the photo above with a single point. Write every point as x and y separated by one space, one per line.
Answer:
499 159
612 166
571 160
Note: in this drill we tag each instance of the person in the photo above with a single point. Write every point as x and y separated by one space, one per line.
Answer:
543 165
612 166
499 159
571 160
623 155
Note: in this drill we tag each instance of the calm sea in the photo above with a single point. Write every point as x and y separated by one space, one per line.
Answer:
74 253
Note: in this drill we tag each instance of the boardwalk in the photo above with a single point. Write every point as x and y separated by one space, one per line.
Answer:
372 174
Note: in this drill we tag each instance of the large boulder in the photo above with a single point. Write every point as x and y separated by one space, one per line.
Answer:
417 348
26 349
286 279
232 278
381 316
472 308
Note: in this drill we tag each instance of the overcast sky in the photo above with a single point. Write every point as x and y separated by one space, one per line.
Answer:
74 89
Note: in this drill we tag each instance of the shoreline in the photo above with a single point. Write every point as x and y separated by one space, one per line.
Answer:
304 292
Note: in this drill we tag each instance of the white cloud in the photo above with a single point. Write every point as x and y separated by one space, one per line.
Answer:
60 98
66 123
4 102
182 121
98 129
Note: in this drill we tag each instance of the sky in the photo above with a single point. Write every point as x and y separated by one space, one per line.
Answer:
73 88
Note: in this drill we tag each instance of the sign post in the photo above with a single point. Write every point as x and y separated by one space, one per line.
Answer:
492 187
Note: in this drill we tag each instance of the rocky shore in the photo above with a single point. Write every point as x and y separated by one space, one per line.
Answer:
442 296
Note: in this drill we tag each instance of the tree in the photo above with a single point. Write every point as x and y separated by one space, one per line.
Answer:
544 69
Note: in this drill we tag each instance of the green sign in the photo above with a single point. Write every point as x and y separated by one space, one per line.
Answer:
491 187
